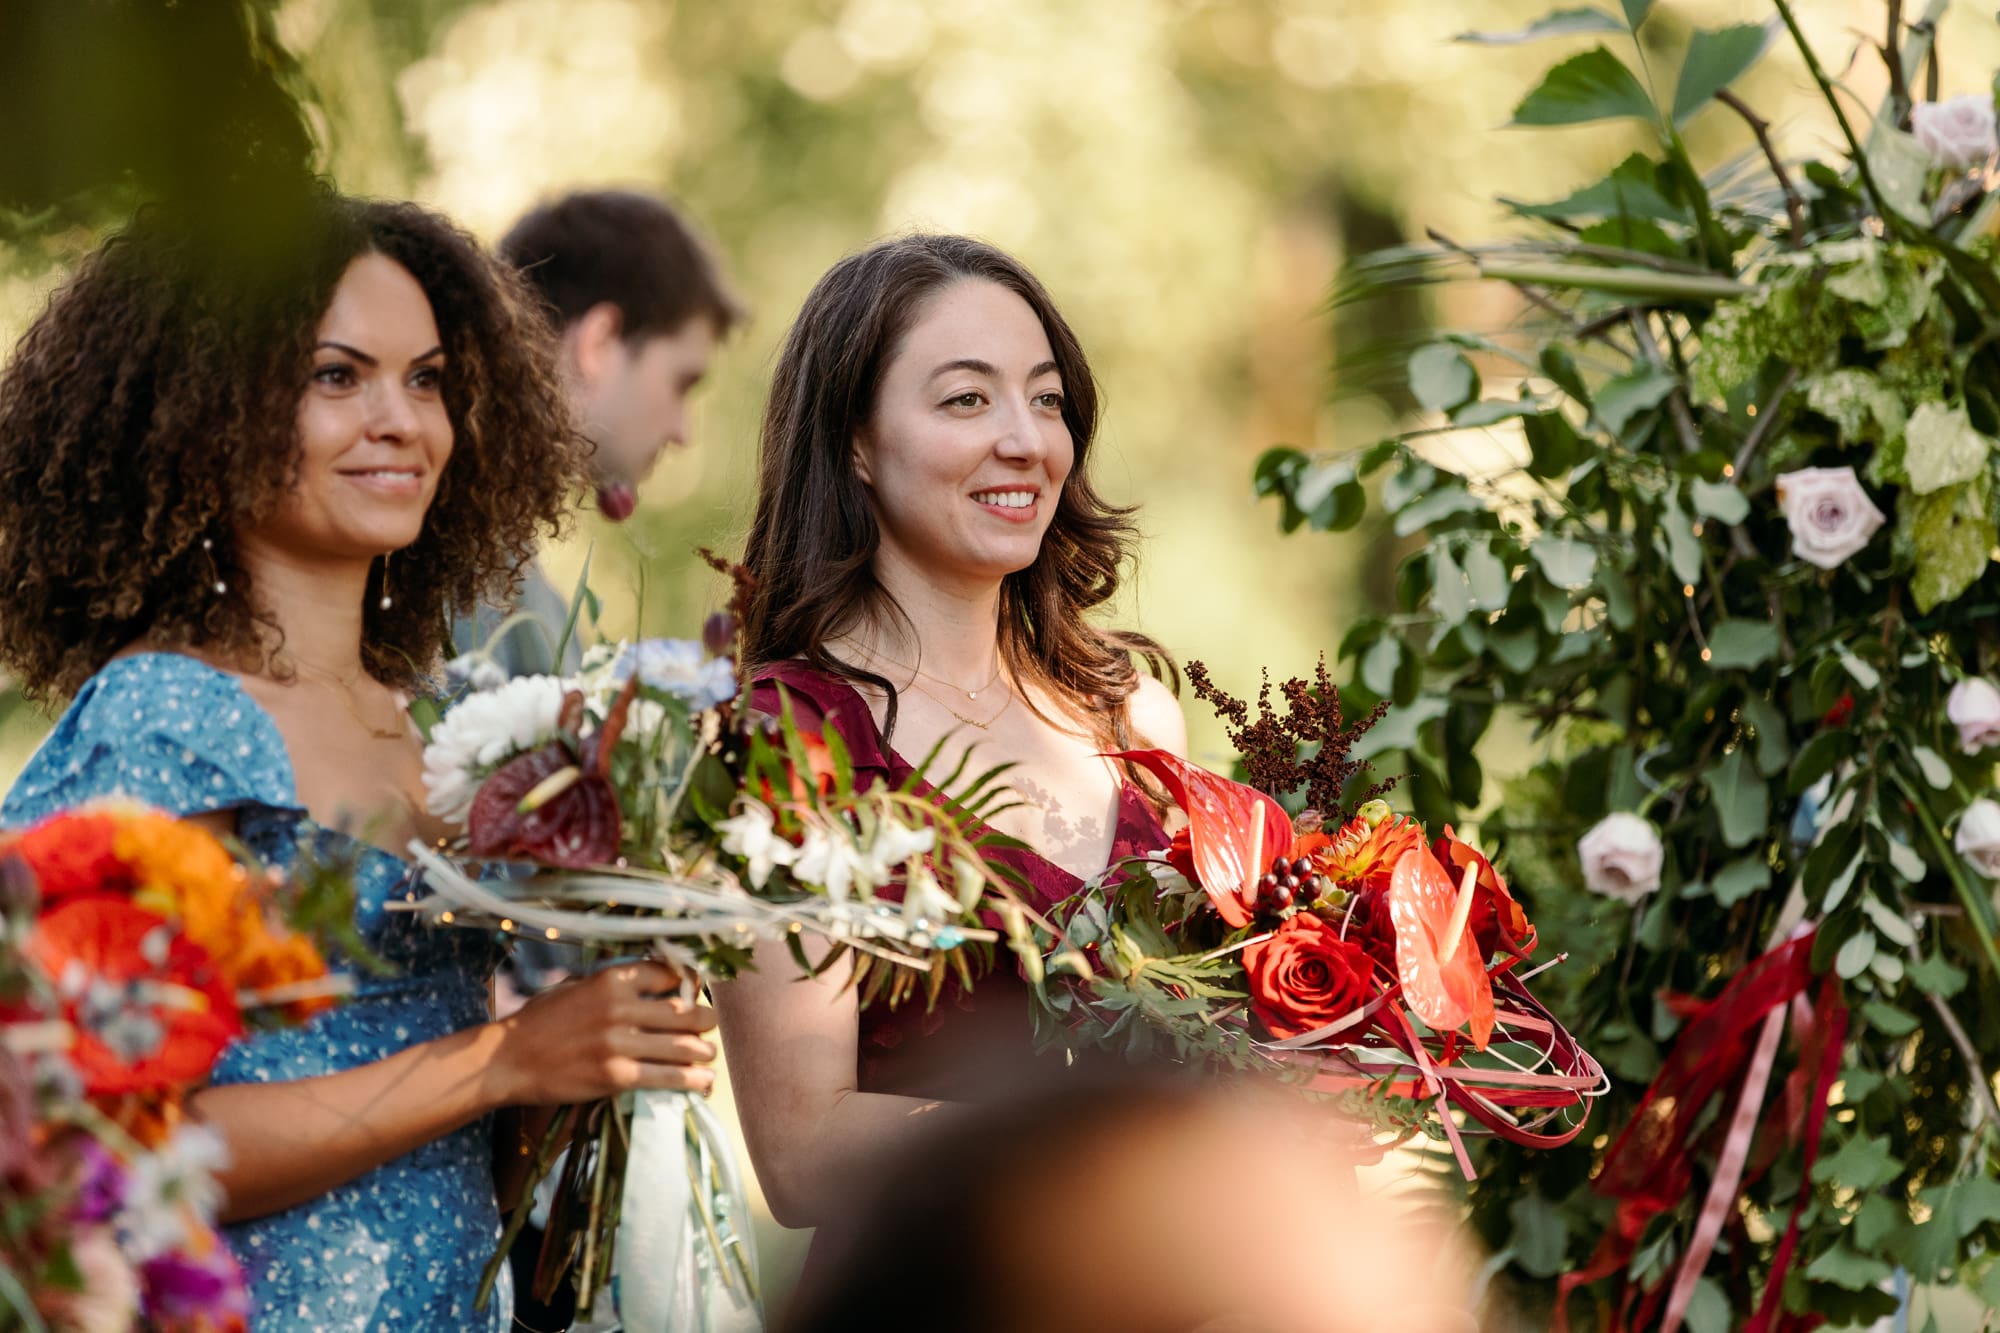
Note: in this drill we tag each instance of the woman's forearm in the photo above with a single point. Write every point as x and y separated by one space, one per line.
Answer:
290 1142
821 1170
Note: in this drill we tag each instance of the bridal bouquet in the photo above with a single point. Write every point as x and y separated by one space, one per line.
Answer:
1349 953
652 811
133 949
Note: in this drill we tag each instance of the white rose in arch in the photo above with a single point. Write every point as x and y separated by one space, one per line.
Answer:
1978 838
1831 517
1956 133
1622 857
1974 708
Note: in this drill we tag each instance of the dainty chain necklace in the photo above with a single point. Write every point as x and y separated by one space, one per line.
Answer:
972 695
346 689
968 721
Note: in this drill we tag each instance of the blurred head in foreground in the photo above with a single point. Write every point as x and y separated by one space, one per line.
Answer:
641 304
1140 1207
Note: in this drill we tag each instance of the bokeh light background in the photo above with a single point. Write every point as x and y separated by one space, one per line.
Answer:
1186 176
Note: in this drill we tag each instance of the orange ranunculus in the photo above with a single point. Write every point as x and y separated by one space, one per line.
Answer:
150 1008
74 853
283 958
1362 859
1496 918
1304 976
183 871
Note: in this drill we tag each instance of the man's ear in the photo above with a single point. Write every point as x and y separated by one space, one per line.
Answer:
593 339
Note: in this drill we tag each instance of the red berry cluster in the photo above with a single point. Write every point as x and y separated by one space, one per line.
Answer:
1279 887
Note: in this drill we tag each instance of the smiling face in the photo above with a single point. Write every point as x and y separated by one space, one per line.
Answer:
373 432
967 450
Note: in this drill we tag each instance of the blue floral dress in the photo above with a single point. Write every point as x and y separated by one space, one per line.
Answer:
401 1247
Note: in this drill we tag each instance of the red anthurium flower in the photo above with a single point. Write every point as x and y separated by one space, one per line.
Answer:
555 805
1496 918
1443 974
150 1008
1234 832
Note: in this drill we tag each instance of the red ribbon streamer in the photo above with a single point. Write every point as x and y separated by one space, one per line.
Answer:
1649 1169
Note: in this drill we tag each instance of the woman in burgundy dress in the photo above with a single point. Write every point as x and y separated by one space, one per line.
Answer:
928 545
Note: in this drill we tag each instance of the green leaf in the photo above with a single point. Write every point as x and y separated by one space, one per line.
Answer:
1951 533
1568 563
1906 861
1876 1222
1552 444
1683 547
1742 803
1862 1163
1378 666
1625 397
1631 190
1901 167
1398 728
1560 367
1932 765
1517 650
1739 879
1635 12
1491 411
1936 976
1560 23
1774 748
1717 59
1440 504
1593 86
1450 597
1486 577
1857 402
1843 1267
1540 1235
1719 500
1441 377
1837 887
1817 757
1940 448
1708 1307
1855 954
1887 1019
1739 644
1617 590
1867 677
1891 923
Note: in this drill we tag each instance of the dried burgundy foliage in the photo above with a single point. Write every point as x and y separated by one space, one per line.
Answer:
1274 745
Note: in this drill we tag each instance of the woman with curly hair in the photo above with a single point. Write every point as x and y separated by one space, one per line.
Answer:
928 547
207 461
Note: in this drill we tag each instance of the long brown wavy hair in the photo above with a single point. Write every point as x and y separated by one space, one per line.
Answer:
813 540
149 414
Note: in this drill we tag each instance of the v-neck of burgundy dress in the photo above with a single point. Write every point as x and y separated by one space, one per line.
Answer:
972 1042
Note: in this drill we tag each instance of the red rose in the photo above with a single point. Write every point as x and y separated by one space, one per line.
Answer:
1305 976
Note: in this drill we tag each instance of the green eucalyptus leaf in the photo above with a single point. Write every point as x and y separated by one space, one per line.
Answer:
1625 397
1941 448
1867 677
1553 444
1817 757
1739 644
1379 663
1317 480
1516 650
1617 590
1742 802
1836 889
1855 955
1450 597
1716 59
1486 577
1560 367
1739 879
1889 923
1560 23
1441 377
1415 478
1906 861
1540 1234
1774 748
1593 86
1440 504
1399 727
1719 500
1491 411
1932 765
1568 564
1683 547
1275 469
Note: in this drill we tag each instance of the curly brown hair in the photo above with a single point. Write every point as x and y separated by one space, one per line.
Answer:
150 413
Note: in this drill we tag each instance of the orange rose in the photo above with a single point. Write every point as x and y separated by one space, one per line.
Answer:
1304 976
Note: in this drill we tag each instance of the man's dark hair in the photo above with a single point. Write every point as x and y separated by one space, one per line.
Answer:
629 249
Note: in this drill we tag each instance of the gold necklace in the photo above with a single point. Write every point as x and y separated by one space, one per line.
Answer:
970 722
346 689
972 695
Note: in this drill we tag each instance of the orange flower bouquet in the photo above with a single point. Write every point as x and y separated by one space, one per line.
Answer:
133 949
1348 953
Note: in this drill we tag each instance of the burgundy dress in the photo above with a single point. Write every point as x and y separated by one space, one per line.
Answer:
972 1043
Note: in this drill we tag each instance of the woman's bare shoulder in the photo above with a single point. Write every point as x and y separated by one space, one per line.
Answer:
1157 720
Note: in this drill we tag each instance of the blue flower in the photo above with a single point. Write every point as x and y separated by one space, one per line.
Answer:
680 667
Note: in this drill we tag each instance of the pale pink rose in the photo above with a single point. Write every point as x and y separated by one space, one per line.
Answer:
1957 133
1978 838
1974 708
1622 857
1830 515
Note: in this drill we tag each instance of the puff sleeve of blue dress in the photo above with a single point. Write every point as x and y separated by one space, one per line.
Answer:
400 1247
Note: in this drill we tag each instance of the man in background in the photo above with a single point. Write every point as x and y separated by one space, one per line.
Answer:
641 306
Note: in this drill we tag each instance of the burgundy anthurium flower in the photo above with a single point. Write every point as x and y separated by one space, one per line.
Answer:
555 805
